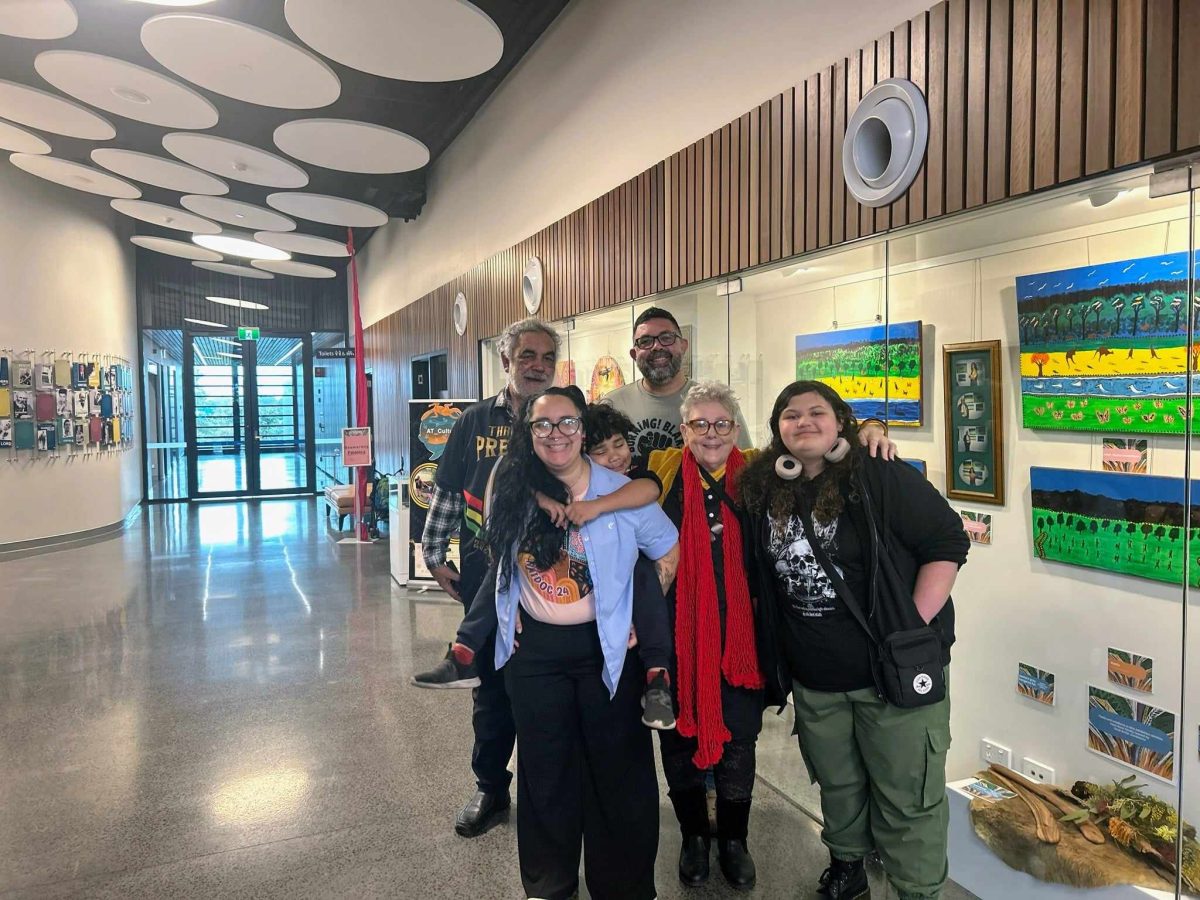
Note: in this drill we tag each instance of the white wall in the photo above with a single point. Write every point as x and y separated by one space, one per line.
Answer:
611 88
67 277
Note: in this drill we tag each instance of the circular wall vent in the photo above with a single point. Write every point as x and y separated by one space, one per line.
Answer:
885 142
532 283
460 313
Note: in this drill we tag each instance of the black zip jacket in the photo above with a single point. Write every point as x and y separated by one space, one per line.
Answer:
903 523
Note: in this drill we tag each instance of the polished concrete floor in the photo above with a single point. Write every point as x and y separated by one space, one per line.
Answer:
216 704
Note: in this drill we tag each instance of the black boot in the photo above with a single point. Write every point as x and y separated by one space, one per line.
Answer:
691 808
845 880
733 820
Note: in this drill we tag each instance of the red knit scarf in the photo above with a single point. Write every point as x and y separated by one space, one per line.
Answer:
697 624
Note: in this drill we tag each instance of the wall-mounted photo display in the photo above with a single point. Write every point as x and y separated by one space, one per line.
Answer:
1129 524
1135 734
66 431
6 433
23 405
24 376
1036 684
95 400
24 434
93 375
46 436
62 402
62 373
5 371
1105 347
78 375
44 376
1125 455
876 369
1131 670
79 404
46 406
974 425
5 402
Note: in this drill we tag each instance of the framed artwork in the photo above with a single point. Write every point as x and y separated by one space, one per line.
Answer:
24 373
1131 670
1120 522
24 434
876 369
1036 684
974 424
5 402
1105 348
6 432
919 465
4 371
606 378
977 525
22 404
1126 455
1134 734
45 376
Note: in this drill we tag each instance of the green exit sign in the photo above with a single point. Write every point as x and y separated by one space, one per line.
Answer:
247 334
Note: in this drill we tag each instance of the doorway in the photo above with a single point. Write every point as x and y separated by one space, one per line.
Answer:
429 377
249 427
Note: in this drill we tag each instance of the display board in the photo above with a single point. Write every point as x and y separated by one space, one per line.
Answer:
430 423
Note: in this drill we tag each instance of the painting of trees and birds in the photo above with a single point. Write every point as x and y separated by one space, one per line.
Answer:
1105 347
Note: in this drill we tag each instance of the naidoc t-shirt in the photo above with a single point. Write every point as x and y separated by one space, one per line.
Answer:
656 418
562 594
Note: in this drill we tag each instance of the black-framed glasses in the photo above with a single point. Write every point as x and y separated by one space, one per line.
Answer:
568 426
720 426
666 339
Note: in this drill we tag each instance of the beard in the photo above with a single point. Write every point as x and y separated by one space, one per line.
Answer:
659 368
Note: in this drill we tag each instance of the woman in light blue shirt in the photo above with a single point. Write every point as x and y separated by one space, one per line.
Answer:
564 599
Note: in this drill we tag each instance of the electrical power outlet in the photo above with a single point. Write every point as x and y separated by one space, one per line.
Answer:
995 753
1036 771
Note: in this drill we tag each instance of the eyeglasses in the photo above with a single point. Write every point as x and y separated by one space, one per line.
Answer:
701 426
666 339
568 426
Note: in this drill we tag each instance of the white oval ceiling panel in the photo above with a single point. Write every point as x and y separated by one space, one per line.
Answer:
38 20
308 244
164 173
235 212
240 244
18 140
231 269
75 175
165 216
125 89
232 159
350 146
235 301
291 267
175 248
417 40
49 112
240 61
328 210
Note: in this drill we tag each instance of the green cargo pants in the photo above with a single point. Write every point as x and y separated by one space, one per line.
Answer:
882 774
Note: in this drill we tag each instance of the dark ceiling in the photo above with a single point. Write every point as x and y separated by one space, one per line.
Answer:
434 113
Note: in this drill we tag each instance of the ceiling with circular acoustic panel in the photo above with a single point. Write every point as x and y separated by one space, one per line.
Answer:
308 244
233 159
75 175
351 146
238 244
18 140
48 112
416 40
328 210
181 249
241 61
292 267
38 20
166 216
120 87
235 212
154 170
232 269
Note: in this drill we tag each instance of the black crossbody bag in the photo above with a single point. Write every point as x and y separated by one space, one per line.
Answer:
908 664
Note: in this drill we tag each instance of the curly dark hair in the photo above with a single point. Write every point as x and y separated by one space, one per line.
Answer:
513 513
602 421
761 489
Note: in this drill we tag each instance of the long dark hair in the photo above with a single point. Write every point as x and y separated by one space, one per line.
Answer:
513 513
761 489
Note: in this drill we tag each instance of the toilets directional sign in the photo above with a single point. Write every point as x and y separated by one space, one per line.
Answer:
356 447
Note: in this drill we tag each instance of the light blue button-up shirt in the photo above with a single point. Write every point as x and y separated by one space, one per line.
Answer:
612 542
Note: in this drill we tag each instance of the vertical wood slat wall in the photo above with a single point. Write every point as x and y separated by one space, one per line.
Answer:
1022 94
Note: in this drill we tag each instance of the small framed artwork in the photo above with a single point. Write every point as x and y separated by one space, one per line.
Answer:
974 425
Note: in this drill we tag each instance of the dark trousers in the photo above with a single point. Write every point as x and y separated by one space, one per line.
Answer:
585 768
491 717
733 774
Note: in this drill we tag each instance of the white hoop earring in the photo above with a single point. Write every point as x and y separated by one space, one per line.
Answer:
838 451
787 467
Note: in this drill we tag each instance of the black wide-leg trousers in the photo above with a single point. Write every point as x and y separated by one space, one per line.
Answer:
585 768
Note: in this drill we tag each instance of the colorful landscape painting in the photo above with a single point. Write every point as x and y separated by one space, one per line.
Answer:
1104 348
1124 523
876 369
1132 733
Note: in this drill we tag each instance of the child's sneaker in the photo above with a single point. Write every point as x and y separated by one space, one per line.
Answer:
658 711
449 673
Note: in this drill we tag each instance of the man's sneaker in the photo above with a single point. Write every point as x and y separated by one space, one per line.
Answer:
658 711
449 673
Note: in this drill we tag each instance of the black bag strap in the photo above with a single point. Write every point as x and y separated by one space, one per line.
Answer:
831 572
717 488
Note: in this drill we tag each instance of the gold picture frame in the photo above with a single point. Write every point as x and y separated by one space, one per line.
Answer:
972 379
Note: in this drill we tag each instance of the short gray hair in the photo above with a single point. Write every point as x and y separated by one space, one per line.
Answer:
512 334
710 392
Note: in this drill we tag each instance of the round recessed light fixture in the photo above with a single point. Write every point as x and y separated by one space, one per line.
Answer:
50 112
18 140
241 304
205 322
349 146
242 245
38 20
231 269
532 284
885 142
75 175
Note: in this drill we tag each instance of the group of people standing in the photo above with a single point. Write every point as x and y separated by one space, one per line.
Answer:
636 563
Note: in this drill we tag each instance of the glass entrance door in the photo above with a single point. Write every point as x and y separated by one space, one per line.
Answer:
248 411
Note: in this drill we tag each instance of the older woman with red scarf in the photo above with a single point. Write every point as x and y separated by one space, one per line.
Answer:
718 684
